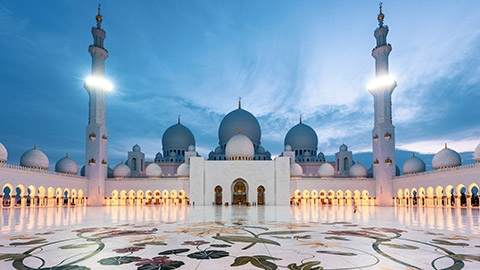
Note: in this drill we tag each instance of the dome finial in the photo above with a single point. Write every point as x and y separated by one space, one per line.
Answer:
300 118
99 17
239 103
179 119
66 155
380 15
358 161
239 131
413 154
446 146
35 147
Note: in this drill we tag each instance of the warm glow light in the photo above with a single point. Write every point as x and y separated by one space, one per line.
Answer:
99 82
380 82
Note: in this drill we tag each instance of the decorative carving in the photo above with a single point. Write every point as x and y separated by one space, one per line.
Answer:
104 162
92 161
104 137
388 136
92 136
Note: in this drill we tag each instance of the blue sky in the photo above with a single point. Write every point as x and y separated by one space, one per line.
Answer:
195 58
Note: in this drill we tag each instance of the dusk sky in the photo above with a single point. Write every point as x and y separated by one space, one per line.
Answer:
195 58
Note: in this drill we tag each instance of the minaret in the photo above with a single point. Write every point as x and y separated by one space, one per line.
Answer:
96 132
383 132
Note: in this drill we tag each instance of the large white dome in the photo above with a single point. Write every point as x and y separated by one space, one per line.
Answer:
183 170
326 170
121 170
153 170
446 158
239 147
296 170
3 153
34 158
413 165
476 155
242 119
66 165
301 136
177 136
358 170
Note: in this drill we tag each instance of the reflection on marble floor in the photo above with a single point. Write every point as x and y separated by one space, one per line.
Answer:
270 237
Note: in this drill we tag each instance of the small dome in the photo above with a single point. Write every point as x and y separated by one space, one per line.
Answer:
158 155
121 170
218 150
183 170
268 154
177 137
476 154
358 170
370 172
109 172
306 154
288 147
321 155
34 158
153 170
136 148
261 150
3 154
191 148
82 171
446 158
239 147
413 165
326 170
66 165
236 119
301 136
296 170
211 154
343 148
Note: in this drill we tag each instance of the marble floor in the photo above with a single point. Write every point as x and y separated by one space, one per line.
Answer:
239 237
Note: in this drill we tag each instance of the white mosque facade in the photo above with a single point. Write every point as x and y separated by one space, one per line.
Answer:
239 170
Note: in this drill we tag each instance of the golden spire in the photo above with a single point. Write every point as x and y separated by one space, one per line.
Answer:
413 154
99 17
446 146
121 162
358 161
380 15
300 118
239 131
239 103
35 147
179 119
66 155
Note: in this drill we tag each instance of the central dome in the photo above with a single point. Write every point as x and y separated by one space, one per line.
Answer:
301 136
239 147
177 136
242 119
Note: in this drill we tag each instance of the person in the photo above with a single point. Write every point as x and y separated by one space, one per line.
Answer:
355 208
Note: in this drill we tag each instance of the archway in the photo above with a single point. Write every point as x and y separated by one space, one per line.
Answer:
261 195
473 190
239 192
218 195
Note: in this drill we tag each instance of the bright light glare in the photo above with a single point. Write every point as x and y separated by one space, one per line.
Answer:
381 82
99 82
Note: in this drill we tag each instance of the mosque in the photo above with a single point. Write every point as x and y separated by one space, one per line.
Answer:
239 170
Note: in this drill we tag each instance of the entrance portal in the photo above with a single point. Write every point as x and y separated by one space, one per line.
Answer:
218 195
260 195
239 192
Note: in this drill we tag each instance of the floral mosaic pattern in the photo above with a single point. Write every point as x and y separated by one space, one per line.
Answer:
239 243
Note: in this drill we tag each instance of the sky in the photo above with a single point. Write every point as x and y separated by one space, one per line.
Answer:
195 58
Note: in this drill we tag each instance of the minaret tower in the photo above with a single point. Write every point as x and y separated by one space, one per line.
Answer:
383 132
96 132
